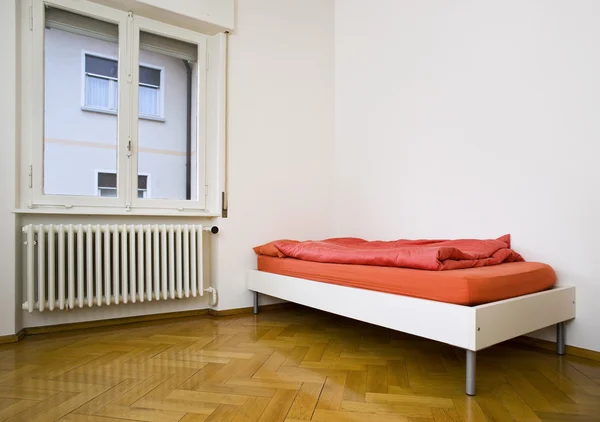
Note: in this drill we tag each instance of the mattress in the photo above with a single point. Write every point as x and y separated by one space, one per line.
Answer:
472 286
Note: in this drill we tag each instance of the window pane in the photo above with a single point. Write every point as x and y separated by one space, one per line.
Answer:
142 182
98 92
79 143
149 101
149 76
114 99
107 180
167 147
101 66
108 193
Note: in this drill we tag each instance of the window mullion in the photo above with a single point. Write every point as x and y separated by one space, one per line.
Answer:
124 94
128 87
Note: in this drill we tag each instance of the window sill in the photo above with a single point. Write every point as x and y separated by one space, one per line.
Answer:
114 113
140 212
152 118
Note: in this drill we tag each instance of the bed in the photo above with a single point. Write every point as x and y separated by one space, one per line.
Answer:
469 308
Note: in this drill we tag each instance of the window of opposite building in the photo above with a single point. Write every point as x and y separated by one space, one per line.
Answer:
101 87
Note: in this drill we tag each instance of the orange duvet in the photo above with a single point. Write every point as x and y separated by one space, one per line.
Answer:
433 255
471 286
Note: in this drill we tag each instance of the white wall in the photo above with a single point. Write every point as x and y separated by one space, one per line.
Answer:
8 173
280 130
219 12
474 119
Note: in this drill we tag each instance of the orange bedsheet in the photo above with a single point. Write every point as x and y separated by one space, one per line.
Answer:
418 254
471 286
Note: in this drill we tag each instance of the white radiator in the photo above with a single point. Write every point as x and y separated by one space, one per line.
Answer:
71 265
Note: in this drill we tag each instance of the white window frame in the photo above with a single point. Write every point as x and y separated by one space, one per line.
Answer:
34 105
148 25
210 117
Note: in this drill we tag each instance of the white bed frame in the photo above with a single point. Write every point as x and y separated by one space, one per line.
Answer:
472 328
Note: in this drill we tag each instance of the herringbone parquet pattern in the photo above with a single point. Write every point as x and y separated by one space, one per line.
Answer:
292 365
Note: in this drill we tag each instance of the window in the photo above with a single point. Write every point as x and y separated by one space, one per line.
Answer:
118 58
149 103
101 87
107 185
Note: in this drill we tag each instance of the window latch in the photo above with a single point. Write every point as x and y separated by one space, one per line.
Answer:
129 147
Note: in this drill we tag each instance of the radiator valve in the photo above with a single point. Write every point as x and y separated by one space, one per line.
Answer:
213 298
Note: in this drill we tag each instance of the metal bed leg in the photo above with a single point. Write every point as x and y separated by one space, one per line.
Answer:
255 303
471 363
560 338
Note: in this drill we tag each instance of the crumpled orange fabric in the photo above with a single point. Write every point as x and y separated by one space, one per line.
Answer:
435 255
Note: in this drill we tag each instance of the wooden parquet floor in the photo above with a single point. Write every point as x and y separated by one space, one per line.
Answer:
289 365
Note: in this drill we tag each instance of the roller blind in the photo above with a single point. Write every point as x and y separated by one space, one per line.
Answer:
95 28
149 76
101 66
168 46
82 25
107 180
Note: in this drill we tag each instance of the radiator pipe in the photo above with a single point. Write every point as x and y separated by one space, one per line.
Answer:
188 141
214 296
